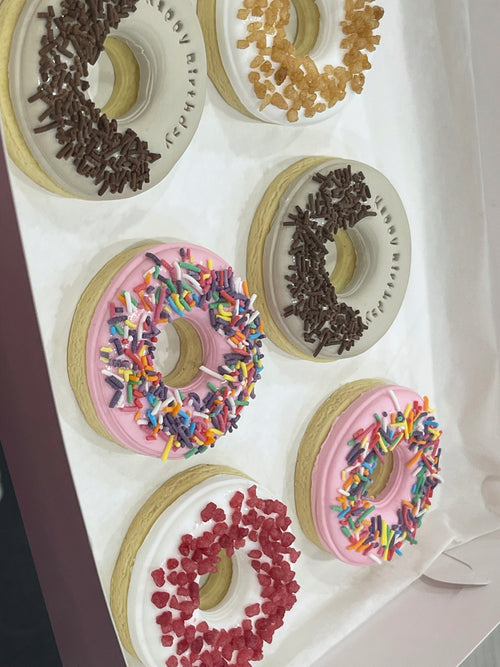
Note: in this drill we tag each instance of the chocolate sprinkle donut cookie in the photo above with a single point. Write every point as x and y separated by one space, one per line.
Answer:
329 247
56 70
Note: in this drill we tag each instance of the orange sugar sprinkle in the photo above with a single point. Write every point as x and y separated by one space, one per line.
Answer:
245 289
147 279
122 299
137 415
414 459
347 483
144 303
361 546
355 545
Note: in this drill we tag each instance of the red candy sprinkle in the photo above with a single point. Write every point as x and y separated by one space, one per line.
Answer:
165 618
197 645
208 512
237 500
158 577
219 515
188 565
182 646
160 599
252 610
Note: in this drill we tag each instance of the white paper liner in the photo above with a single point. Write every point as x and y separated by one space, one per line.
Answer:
415 122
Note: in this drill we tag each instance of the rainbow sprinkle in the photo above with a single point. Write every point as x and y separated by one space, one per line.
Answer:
366 531
168 291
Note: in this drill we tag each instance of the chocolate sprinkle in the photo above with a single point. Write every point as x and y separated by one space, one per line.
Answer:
339 203
73 41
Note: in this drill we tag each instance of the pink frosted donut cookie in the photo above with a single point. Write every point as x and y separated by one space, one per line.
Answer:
366 471
116 330
208 521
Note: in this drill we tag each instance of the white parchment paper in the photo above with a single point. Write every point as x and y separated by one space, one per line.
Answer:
415 122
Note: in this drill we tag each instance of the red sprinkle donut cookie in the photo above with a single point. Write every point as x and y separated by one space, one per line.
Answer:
288 61
329 249
366 471
209 520
71 130
114 339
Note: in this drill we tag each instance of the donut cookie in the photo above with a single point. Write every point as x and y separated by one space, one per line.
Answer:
270 71
329 249
366 471
59 64
113 347
208 520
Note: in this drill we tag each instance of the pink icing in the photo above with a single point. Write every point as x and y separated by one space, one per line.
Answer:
331 461
118 422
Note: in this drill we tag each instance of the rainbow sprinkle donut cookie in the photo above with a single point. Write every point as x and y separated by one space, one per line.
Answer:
284 61
366 471
329 249
208 520
100 99
116 330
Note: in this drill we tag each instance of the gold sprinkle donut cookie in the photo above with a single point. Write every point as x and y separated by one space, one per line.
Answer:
100 99
205 574
284 61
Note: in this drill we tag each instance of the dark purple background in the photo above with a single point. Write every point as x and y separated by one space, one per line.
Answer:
36 457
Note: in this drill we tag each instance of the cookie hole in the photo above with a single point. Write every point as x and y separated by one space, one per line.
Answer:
226 593
179 353
381 476
114 79
341 261
214 587
304 22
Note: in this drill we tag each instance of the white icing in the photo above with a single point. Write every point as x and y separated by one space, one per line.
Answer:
161 543
167 42
237 61
383 249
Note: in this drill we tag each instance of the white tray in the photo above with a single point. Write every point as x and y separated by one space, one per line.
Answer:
415 122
